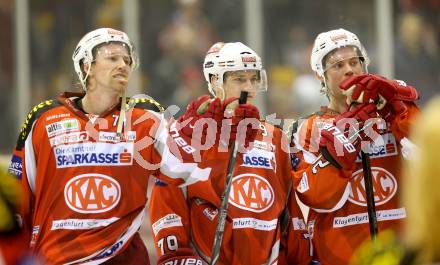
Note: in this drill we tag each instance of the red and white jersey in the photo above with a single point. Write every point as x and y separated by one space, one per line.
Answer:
261 181
85 185
296 242
338 219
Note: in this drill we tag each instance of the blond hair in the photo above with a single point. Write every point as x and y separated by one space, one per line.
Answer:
421 189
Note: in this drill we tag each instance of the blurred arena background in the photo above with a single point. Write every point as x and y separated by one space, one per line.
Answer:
172 36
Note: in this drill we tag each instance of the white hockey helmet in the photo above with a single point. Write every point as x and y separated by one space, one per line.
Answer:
83 53
329 41
229 57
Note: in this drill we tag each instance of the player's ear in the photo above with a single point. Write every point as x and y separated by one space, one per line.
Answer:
320 77
218 90
87 69
321 80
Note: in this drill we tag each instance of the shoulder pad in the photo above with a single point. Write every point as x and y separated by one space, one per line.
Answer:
33 115
146 103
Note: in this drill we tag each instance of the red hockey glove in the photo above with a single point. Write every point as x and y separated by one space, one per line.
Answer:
386 94
360 113
241 112
203 107
338 146
180 256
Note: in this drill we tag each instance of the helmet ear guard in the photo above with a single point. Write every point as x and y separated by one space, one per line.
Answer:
231 57
83 53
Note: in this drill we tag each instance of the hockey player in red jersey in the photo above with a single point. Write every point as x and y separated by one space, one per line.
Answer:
184 220
85 158
329 175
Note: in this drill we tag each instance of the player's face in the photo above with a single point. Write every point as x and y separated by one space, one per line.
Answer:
340 65
111 68
238 81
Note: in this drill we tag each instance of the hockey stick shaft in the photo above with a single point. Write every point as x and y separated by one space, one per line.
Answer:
223 211
371 207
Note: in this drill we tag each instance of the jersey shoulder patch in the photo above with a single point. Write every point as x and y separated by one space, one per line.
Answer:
32 116
146 103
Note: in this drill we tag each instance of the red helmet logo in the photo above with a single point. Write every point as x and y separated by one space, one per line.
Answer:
251 192
384 186
92 193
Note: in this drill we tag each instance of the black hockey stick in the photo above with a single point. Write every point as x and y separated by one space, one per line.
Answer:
369 193
223 211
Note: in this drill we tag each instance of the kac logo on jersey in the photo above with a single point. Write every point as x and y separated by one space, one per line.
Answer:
251 192
384 186
92 193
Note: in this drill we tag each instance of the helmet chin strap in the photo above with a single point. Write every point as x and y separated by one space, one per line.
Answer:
217 87
121 115
84 80
222 96
324 88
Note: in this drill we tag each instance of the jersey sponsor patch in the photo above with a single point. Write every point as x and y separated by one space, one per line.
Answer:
210 213
169 220
58 116
92 193
34 236
129 136
362 218
87 154
298 224
16 166
80 224
386 147
258 158
253 223
264 146
69 138
384 186
303 185
251 192
184 261
64 126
